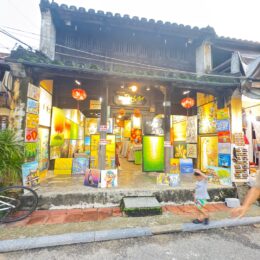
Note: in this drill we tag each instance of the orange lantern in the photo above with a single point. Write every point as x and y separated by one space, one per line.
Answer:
137 112
121 112
187 102
79 94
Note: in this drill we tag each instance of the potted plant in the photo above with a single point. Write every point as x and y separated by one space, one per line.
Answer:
11 158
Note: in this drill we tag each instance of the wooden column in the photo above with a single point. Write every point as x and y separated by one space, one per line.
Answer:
103 122
167 128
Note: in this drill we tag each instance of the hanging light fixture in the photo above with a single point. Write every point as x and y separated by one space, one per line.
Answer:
187 102
137 112
121 112
79 94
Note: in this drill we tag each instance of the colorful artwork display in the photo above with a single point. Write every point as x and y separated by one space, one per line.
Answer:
109 178
186 166
153 153
224 148
30 150
94 148
30 174
162 179
180 150
33 92
57 127
32 106
92 178
192 151
74 131
208 151
32 121
223 175
72 148
175 166
136 136
127 128
223 113
207 118
224 160
110 151
43 148
192 129
223 125
63 166
67 129
79 165
64 149
91 126
31 134
224 137
45 105
55 152
179 131
174 180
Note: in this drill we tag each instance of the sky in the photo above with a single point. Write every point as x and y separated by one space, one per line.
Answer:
230 18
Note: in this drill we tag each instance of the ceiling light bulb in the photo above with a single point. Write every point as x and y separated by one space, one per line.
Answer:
77 82
134 88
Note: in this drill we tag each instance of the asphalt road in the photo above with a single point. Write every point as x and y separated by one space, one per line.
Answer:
236 243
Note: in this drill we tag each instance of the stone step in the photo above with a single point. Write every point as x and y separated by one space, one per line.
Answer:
114 196
141 206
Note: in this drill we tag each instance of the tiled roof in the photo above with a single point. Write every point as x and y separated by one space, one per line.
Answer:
237 41
135 20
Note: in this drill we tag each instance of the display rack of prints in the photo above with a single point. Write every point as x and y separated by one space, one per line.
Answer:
240 163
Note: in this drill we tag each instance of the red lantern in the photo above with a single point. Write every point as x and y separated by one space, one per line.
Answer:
121 112
187 102
79 94
137 112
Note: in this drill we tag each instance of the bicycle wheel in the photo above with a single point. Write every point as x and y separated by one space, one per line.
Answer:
16 203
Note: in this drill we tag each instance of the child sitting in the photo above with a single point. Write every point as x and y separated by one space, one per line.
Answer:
200 197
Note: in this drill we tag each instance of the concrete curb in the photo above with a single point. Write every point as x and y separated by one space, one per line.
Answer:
71 238
104 235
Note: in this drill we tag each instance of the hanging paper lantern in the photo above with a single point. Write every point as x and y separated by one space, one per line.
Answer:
137 112
79 94
187 102
121 112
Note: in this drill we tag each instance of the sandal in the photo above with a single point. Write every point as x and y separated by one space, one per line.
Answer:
197 221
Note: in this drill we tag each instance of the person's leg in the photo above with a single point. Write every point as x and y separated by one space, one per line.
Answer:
203 216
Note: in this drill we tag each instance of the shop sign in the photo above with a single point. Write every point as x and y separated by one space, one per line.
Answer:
127 99
103 142
103 128
94 104
167 144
